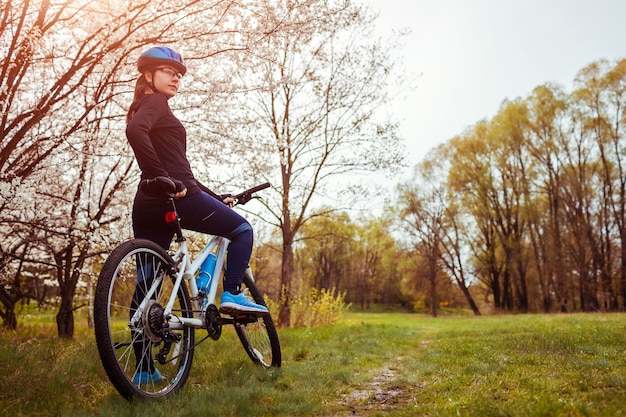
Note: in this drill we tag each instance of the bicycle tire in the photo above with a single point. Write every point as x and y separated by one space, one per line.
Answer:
125 352
258 334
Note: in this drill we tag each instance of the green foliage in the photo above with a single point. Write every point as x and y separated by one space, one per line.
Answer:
355 256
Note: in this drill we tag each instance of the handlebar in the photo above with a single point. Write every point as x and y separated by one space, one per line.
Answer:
164 185
245 196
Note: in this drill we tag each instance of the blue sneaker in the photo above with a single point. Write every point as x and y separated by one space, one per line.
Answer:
142 378
240 304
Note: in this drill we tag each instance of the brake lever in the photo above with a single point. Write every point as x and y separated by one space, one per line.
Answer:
246 199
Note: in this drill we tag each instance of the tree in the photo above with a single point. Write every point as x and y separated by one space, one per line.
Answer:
69 238
548 107
509 135
372 268
313 84
432 221
63 81
453 253
455 238
423 211
471 180
325 249
543 185
601 97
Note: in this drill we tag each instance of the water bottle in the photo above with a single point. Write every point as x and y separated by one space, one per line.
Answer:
206 273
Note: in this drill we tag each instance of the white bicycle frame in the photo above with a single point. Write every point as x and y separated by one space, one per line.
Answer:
187 270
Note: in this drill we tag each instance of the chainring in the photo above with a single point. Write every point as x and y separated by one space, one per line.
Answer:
213 322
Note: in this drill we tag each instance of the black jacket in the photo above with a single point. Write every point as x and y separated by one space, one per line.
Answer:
159 141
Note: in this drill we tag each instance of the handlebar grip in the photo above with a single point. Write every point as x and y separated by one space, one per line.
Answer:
258 188
245 196
158 186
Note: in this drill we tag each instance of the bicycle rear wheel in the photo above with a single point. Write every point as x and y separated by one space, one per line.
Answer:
142 356
258 334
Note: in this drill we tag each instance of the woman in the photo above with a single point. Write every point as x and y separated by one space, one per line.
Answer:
159 142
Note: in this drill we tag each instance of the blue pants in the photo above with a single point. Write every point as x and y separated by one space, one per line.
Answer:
202 213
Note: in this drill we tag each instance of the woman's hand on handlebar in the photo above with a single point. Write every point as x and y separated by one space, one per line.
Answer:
229 200
180 194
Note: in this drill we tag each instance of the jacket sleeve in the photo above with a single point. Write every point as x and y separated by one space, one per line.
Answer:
209 192
138 130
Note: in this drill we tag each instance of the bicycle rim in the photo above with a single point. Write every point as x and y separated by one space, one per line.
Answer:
142 359
258 335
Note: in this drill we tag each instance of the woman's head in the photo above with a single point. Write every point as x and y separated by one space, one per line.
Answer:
161 70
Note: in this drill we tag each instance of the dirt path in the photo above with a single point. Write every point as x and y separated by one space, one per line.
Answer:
381 393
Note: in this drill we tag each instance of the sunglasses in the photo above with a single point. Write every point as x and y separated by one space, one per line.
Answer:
171 72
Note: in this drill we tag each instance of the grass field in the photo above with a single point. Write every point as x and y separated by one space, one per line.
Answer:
369 364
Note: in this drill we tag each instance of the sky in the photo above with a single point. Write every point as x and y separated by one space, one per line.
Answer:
471 55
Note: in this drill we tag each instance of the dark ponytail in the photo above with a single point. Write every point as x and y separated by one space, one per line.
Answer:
140 91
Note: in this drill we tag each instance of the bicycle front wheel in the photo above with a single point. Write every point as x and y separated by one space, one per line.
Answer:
142 356
258 334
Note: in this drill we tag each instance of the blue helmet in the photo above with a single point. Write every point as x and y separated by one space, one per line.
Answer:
161 55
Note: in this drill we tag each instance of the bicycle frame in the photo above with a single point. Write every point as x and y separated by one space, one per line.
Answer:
187 270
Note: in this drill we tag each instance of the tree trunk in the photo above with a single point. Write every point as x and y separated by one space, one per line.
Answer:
65 318
432 266
284 316
9 319
621 223
468 296
68 271
90 304
521 288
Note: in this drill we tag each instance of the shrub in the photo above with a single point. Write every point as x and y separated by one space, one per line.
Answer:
315 307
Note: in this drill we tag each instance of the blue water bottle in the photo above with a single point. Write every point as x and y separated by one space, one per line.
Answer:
206 273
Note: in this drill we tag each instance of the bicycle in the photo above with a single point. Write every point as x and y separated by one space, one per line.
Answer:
145 315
